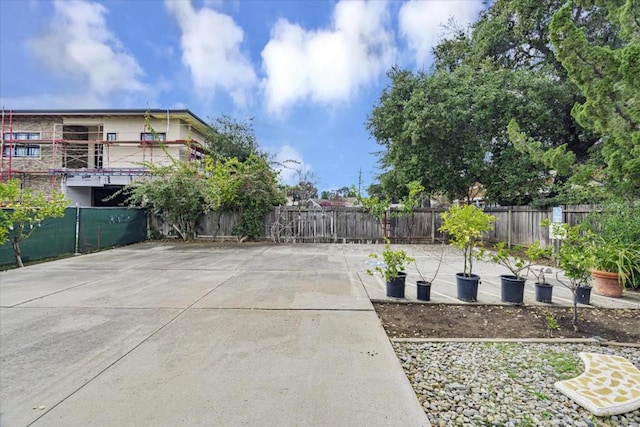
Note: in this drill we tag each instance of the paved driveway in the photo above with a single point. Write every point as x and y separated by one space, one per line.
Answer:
164 334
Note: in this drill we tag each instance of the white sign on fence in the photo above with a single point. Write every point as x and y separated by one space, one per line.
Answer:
556 215
557 229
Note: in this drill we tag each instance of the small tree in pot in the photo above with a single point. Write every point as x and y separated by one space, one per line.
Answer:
464 226
423 286
395 262
576 260
544 290
517 259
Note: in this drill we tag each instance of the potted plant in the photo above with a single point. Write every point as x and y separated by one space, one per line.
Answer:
616 231
464 226
393 269
423 286
544 290
614 263
575 259
516 259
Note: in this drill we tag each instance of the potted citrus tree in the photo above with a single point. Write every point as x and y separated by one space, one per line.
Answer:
395 262
516 259
464 226
544 289
575 259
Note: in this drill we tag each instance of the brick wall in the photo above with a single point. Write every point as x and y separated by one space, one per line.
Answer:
39 182
48 127
32 171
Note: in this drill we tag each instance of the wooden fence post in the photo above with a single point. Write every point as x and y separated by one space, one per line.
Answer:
509 223
433 226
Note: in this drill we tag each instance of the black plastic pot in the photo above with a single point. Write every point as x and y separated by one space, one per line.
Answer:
424 290
395 288
512 289
583 295
467 287
544 292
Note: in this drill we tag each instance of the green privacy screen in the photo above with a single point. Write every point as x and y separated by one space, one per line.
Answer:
98 228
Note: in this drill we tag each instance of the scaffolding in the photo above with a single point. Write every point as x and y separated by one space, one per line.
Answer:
88 147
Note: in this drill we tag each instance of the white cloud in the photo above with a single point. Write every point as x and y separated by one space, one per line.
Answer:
211 50
420 22
78 43
290 164
327 65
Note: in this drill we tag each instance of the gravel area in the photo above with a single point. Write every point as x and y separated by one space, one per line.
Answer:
503 384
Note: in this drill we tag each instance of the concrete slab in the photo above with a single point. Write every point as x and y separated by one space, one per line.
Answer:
312 257
282 335
120 259
320 290
252 367
47 354
22 285
138 289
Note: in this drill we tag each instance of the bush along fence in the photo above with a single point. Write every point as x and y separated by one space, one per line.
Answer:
81 230
514 225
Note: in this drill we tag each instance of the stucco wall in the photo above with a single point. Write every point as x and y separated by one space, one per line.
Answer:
131 155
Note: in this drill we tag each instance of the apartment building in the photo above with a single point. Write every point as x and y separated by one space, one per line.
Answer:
91 154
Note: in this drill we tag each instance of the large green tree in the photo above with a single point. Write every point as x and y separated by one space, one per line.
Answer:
514 35
231 138
448 130
608 75
448 127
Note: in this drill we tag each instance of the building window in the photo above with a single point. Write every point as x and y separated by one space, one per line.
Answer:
148 136
13 149
21 150
21 136
111 136
195 154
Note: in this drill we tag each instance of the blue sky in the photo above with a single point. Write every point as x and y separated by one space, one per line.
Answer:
308 72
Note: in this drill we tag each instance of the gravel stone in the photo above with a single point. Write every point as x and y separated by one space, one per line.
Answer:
503 384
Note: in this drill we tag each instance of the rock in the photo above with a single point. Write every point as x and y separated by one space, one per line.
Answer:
464 383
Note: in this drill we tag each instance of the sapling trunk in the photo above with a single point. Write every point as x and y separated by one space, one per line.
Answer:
574 321
16 251
573 287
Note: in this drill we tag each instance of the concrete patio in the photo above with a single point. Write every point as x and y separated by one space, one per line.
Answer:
164 334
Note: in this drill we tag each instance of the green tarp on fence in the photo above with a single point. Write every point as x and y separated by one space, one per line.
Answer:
98 228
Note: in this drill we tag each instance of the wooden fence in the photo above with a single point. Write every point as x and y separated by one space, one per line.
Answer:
521 224
514 225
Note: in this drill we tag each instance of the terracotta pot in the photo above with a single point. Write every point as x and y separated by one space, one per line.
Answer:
606 284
